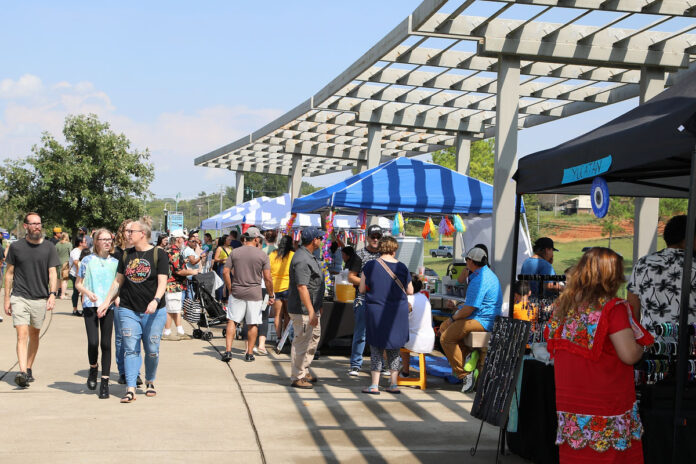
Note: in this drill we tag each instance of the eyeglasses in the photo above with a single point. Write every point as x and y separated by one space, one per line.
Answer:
105 239
130 231
34 224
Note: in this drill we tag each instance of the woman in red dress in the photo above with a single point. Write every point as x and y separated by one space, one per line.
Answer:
595 342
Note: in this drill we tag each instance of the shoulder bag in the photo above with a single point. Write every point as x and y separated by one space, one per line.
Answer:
396 279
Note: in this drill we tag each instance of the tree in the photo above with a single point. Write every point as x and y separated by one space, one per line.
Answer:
481 161
95 180
620 208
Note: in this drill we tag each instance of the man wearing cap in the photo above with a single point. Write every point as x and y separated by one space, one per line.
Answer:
176 286
305 300
361 258
57 232
541 264
248 264
193 256
483 303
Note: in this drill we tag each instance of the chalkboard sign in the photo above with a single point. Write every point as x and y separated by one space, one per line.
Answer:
497 382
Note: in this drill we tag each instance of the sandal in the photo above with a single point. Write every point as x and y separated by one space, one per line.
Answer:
150 390
394 389
129 397
371 390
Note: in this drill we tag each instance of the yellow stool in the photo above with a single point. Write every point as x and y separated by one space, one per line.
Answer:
419 382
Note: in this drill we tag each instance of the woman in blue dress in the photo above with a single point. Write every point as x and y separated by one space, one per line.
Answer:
386 283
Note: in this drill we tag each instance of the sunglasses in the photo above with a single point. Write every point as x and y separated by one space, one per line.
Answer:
376 236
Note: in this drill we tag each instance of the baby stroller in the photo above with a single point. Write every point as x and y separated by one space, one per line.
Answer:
204 310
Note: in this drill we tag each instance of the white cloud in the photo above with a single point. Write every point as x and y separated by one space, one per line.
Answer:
28 107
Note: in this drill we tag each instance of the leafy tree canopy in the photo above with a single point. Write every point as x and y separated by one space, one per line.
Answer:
94 180
481 161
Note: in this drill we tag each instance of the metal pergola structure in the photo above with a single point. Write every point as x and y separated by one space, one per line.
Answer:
455 71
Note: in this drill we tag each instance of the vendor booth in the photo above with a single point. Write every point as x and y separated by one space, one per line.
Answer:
648 152
222 220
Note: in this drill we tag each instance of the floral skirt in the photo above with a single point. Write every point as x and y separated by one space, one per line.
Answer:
598 439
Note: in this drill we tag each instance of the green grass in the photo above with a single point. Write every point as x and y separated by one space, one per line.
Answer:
439 265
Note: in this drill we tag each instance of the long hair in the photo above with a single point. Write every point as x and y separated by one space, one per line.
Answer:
97 244
284 247
121 234
598 274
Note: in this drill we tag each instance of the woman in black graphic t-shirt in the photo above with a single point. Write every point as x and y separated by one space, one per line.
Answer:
142 280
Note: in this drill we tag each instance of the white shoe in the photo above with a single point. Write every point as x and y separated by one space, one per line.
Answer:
354 372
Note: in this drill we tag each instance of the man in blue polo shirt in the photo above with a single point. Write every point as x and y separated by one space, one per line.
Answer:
484 300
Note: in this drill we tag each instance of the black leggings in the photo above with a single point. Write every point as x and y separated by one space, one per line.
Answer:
75 293
94 326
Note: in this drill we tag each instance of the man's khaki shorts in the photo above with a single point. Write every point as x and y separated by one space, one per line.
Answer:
27 312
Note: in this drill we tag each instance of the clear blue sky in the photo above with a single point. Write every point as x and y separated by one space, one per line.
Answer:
183 78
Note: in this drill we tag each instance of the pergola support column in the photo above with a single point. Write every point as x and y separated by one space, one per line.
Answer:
295 179
374 145
652 82
507 104
239 187
462 156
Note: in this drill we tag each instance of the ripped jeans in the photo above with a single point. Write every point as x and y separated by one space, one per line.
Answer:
134 328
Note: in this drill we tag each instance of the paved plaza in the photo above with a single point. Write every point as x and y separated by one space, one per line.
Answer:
208 411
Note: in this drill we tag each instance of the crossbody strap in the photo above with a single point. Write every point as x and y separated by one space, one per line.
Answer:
392 275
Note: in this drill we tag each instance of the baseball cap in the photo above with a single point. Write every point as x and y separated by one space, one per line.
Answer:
253 232
543 243
310 233
57 230
177 234
476 254
374 229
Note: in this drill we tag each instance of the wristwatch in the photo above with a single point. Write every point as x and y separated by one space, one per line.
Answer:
157 300
53 293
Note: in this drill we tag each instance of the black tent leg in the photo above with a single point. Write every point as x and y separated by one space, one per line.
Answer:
515 246
683 347
473 450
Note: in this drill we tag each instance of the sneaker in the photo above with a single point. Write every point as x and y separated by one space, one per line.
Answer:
183 336
471 361
21 379
30 376
122 379
249 357
354 371
172 337
302 383
226 356
470 382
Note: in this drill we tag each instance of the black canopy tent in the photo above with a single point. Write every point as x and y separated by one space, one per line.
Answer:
649 151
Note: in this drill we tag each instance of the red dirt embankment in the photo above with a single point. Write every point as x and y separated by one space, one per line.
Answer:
593 231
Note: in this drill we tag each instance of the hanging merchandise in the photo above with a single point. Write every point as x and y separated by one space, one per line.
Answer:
291 221
327 247
296 235
445 227
361 235
362 219
459 224
398 227
429 230
426 230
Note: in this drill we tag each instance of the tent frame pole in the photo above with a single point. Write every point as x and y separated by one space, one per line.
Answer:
515 246
683 347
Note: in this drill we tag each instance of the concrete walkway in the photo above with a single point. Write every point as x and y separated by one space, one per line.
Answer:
209 411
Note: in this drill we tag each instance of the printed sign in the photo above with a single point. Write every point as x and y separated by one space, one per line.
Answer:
176 221
586 170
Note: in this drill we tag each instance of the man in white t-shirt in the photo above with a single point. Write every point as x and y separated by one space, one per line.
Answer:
193 255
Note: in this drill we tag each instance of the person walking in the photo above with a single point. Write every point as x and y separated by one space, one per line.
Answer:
142 279
595 340
176 286
305 300
386 284
357 263
222 252
63 248
30 291
121 242
249 265
280 260
75 256
97 272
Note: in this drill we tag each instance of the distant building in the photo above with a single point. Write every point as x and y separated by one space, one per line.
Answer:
578 205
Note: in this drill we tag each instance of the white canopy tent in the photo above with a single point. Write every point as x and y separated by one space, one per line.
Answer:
220 220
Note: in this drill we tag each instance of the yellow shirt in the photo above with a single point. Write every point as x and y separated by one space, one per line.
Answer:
280 271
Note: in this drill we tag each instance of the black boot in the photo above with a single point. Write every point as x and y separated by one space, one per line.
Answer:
104 389
92 379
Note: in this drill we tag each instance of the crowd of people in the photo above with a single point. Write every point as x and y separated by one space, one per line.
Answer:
125 285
